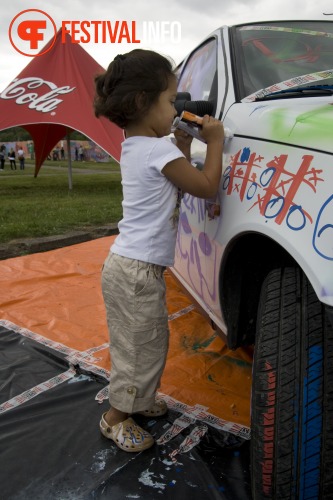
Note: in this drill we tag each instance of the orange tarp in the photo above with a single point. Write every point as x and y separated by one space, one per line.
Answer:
57 295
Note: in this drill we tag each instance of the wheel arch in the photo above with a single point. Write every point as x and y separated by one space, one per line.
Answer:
248 259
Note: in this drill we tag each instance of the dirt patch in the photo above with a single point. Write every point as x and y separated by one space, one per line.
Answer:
17 248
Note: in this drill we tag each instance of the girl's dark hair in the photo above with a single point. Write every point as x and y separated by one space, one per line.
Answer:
130 85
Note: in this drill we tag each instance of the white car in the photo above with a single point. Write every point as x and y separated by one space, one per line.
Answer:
258 259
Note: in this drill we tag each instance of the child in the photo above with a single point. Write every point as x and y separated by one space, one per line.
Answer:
138 92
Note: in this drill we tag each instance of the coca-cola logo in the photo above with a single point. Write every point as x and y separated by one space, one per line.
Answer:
22 90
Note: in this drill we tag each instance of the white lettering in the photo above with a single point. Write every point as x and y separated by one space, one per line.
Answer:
176 32
149 31
165 31
161 31
45 102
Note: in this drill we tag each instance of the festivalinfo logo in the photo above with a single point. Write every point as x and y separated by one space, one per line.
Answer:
30 29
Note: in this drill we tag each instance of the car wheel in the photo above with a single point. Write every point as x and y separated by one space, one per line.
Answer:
292 392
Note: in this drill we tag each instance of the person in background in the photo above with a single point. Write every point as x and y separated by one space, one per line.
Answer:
21 157
137 93
2 157
11 158
31 150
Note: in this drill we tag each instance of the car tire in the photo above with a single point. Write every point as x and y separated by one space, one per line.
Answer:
292 392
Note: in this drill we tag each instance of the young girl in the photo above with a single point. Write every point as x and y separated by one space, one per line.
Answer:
137 92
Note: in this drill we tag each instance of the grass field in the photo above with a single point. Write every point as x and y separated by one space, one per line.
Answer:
44 206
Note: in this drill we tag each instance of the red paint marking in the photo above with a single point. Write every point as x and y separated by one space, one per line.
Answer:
267 465
283 183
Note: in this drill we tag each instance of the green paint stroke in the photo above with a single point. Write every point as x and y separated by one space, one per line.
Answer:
312 124
198 345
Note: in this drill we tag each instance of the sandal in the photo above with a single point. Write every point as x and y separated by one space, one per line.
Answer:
158 409
127 435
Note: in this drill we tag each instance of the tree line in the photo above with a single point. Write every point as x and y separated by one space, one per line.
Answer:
17 134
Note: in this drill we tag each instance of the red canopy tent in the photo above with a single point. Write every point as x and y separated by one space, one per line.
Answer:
53 95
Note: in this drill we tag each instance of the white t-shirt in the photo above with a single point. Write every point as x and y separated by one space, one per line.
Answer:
147 231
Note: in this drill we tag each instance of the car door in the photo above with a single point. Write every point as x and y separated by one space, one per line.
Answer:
198 253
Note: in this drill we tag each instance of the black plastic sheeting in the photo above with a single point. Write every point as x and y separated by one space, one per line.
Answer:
51 447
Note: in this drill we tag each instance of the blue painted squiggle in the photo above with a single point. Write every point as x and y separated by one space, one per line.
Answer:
323 232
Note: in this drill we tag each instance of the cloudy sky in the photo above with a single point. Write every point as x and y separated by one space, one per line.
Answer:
188 21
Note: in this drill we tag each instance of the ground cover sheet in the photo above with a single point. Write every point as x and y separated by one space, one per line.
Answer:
54 370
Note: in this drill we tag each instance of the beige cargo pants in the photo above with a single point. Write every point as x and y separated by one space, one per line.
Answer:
137 317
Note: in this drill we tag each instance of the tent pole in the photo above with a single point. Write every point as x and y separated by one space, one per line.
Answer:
70 181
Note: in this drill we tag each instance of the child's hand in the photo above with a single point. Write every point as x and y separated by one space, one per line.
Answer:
183 139
183 142
212 129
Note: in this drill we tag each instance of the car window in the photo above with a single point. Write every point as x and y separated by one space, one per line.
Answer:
271 53
199 74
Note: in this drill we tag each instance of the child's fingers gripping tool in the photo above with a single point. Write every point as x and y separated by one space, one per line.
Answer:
187 118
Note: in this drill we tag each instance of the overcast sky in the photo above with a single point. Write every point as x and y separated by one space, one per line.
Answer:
196 19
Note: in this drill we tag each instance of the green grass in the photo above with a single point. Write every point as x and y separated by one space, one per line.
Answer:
44 206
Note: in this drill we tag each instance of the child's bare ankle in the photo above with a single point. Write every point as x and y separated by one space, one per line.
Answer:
114 416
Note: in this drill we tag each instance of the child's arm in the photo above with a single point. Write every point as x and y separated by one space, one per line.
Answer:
183 142
204 183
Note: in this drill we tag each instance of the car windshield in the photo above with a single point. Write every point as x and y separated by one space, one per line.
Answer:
279 55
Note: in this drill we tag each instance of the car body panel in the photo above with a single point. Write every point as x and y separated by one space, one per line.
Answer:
277 182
